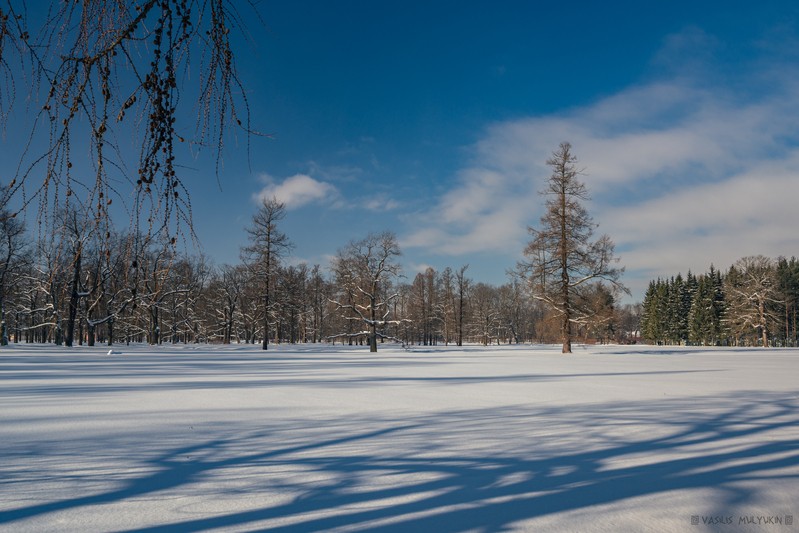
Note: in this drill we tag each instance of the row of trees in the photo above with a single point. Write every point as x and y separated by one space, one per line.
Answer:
83 283
754 303
74 288
78 284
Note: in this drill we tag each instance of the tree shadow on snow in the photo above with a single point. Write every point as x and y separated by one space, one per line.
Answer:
473 470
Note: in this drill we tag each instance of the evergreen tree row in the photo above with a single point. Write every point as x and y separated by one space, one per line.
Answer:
753 304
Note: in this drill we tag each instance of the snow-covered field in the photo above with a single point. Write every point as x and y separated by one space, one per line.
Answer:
309 438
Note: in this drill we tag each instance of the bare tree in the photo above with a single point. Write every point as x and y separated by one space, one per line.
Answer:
185 284
113 291
562 258
446 307
515 310
95 278
75 234
267 245
228 286
463 286
13 245
319 293
49 277
364 271
292 295
751 292
485 313
423 306
152 270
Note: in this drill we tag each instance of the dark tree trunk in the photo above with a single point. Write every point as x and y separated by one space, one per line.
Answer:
73 300
91 334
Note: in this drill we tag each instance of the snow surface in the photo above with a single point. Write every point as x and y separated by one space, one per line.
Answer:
308 438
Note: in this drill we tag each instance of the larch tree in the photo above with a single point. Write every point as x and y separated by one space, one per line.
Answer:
562 258
267 245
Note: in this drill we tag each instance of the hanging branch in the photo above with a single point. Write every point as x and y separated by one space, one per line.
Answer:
90 66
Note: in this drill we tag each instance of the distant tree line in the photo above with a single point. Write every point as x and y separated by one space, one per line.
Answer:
753 304
79 287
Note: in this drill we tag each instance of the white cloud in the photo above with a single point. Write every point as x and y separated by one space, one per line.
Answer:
302 189
297 191
746 214
684 174
381 203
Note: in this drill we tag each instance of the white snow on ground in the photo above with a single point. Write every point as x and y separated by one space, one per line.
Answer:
310 438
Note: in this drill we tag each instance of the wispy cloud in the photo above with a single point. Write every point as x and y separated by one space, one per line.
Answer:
381 203
684 172
748 213
297 191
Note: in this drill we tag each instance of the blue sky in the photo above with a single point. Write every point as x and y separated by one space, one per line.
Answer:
435 119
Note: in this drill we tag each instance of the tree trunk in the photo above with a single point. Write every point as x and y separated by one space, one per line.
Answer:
155 329
564 280
91 334
266 304
373 338
460 320
3 332
73 300
786 323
